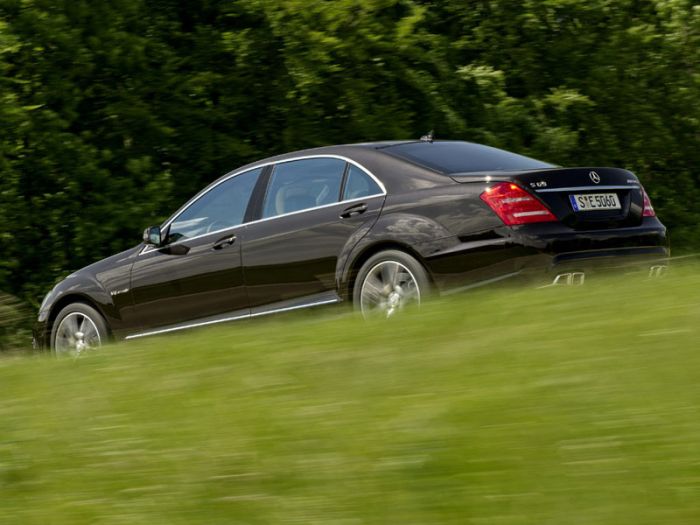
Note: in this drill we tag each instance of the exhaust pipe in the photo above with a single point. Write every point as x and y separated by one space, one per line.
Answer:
568 279
657 271
579 278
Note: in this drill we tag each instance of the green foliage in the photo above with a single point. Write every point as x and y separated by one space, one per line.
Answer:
113 113
518 407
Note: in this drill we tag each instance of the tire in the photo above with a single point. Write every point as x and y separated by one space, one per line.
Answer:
78 327
389 281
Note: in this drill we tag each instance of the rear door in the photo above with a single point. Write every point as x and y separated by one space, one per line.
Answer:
313 210
197 274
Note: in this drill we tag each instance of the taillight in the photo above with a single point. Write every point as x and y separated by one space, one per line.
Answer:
515 206
648 208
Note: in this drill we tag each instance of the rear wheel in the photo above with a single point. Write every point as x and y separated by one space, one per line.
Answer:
78 327
388 282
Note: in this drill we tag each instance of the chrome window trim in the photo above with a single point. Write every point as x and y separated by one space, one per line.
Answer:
147 249
588 188
234 318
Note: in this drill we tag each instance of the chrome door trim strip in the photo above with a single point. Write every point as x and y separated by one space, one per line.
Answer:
227 319
588 188
186 326
148 249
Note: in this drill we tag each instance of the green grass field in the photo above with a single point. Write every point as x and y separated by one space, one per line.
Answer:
551 406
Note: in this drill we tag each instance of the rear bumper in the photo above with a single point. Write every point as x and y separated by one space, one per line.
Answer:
640 262
575 268
539 253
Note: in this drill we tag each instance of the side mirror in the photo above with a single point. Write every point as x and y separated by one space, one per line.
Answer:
152 236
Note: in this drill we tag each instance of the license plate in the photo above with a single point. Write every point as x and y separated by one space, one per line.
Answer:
595 201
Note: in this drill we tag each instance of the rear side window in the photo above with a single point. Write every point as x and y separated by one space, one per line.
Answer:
359 184
302 184
463 157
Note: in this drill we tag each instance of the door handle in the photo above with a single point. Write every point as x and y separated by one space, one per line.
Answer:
223 243
356 209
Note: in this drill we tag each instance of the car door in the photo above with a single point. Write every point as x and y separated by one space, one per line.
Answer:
313 209
197 274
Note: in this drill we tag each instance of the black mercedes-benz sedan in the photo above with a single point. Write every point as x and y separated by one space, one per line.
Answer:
379 225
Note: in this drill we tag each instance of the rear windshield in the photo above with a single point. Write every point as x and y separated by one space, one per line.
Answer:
463 157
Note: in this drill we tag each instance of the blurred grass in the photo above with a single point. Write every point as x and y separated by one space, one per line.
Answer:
550 406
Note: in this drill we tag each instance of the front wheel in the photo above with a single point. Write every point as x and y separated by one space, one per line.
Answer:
388 282
78 327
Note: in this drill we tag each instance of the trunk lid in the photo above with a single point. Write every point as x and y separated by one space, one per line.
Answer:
573 194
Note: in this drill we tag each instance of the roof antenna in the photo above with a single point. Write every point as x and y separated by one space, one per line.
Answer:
428 138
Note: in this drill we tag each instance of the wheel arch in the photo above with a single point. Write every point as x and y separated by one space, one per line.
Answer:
64 301
369 251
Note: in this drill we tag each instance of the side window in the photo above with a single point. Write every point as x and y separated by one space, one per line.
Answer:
302 184
220 208
359 185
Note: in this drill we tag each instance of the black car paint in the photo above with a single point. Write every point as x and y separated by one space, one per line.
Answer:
311 242
312 257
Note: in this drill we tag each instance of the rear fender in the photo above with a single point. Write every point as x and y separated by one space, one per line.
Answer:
417 235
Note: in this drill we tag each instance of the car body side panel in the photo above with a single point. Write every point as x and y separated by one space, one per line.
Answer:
104 284
187 280
426 223
297 255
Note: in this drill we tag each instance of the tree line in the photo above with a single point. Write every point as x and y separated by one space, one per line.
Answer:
114 112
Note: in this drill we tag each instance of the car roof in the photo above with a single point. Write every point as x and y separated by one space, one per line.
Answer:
396 174
336 148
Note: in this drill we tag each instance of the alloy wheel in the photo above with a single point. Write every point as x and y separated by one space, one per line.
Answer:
76 333
388 287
